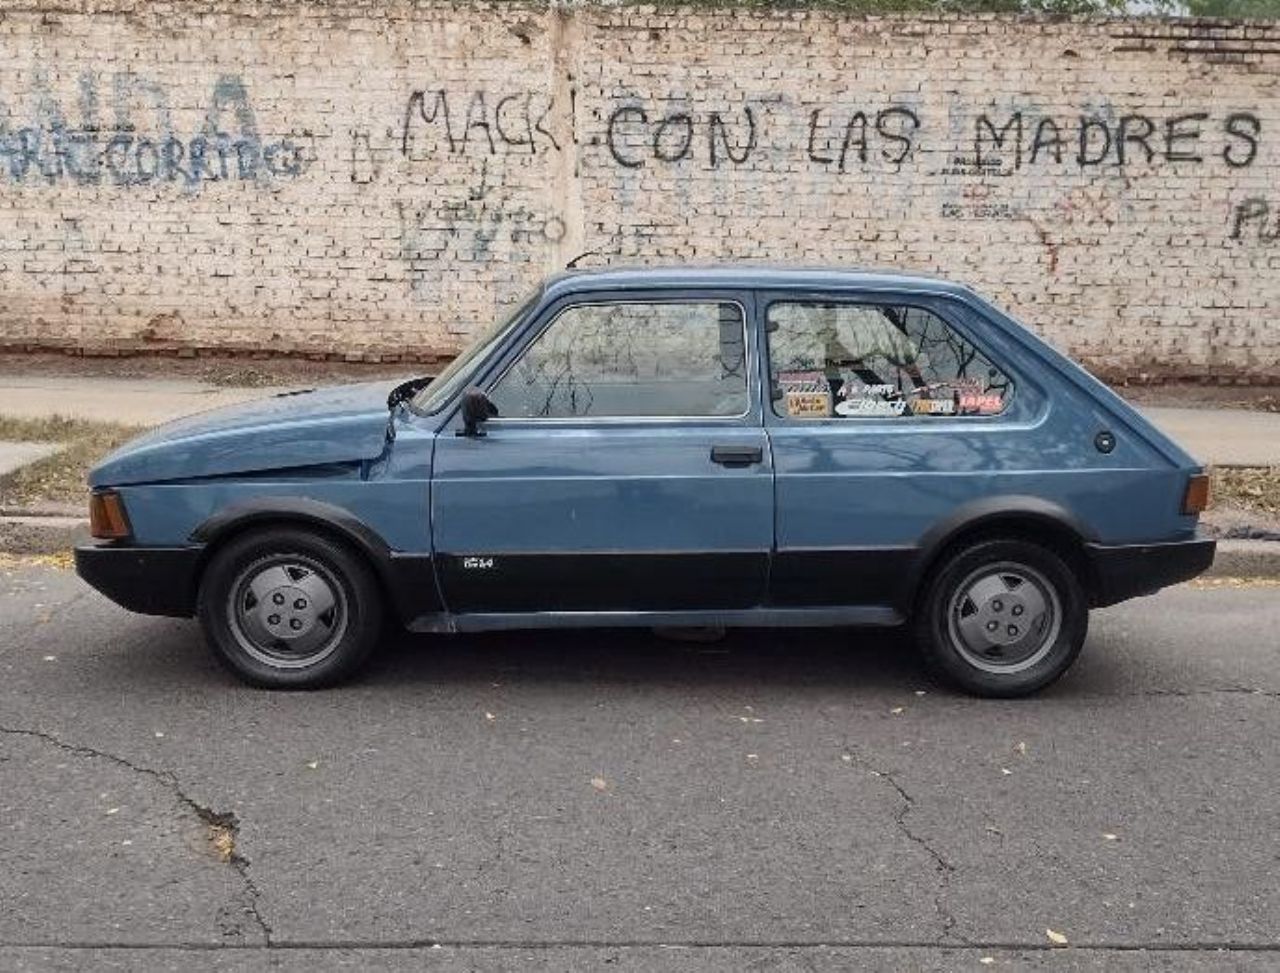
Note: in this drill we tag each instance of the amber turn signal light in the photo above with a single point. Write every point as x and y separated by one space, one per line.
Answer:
1196 499
107 519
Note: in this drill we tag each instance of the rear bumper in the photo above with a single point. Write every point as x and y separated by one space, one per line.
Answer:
148 580
1129 570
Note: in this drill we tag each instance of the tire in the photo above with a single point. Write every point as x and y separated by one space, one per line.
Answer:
287 608
1001 618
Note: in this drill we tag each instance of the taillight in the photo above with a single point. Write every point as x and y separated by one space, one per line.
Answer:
107 519
1196 497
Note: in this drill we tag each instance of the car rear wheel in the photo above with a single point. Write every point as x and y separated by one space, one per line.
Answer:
1002 617
286 608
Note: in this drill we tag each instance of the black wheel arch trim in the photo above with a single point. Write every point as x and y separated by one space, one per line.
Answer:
409 580
240 515
992 512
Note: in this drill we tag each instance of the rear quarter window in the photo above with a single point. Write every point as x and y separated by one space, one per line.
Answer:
852 360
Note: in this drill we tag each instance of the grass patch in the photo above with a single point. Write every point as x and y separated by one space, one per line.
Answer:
56 429
1211 583
62 561
1254 488
59 478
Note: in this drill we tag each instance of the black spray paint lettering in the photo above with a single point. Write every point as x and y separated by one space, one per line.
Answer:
1242 127
986 132
1048 138
1130 133
673 139
718 133
1132 138
1089 145
53 150
1135 131
1255 220
1182 136
633 139
894 128
516 121
620 117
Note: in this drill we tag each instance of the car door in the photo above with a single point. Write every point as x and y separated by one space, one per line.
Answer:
627 469
884 419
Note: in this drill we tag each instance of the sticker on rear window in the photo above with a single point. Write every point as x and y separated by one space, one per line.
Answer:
985 404
807 394
933 407
872 407
808 405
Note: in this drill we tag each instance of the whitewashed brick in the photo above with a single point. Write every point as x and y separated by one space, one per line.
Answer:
255 176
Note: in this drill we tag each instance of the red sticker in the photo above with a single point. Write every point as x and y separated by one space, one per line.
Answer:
983 405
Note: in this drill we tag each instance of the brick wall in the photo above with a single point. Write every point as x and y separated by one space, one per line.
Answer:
382 178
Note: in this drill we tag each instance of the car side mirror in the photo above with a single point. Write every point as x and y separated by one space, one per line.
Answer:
476 408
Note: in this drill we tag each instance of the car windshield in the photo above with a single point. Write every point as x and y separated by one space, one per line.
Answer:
432 398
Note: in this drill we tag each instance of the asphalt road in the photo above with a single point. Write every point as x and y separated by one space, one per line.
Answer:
549 802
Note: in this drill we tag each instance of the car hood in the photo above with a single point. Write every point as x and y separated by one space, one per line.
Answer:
293 429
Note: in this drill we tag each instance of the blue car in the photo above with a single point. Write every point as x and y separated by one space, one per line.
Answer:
711 447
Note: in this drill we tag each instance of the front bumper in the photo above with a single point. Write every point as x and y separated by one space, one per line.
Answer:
1129 570
148 580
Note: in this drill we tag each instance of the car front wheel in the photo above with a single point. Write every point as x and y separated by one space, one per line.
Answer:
286 608
1002 617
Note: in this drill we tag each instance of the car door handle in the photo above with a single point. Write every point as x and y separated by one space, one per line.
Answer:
736 455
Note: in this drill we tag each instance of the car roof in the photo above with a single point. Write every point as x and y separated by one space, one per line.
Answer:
745 275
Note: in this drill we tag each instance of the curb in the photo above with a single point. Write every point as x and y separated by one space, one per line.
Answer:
42 534
46 534
1246 559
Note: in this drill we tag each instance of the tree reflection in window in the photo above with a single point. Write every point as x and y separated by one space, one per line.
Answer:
631 359
876 361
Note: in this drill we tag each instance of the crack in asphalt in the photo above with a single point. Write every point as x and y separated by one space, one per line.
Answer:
223 820
1162 693
1219 691
944 867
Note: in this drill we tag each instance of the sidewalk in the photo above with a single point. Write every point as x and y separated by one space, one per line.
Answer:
128 401
14 456
1220 437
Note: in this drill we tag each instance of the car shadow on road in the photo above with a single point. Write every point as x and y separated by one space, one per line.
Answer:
767 657
854 659
169 653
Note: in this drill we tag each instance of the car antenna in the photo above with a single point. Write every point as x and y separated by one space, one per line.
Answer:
574 262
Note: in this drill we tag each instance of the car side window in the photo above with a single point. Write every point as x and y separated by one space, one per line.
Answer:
629 359
864 360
